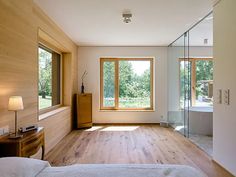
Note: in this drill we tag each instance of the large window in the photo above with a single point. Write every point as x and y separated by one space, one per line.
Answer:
200 71
49 82
126 83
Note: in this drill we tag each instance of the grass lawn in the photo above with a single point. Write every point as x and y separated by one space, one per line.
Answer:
45 103
129 102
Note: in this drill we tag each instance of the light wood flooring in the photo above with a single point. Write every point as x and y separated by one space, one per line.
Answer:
145 144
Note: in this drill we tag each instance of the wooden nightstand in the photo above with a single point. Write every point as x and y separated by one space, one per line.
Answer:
26 146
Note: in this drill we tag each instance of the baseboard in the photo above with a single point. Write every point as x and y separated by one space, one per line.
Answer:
106 124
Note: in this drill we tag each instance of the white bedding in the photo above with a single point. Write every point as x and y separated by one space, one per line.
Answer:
43 169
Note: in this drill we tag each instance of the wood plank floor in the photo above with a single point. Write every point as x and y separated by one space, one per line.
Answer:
145 144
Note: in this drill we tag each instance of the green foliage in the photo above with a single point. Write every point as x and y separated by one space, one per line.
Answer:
45 73
109 79
204 72
131 84
185 77
134 90
125 78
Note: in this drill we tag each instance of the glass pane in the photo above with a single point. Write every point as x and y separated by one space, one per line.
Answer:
109 84
45 78
176 81
179 80
204 83
182 82
187 83
134 84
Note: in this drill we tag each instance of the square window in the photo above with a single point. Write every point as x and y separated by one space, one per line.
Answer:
126 84
49 82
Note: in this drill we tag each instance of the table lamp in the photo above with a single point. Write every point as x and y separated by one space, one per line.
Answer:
15 104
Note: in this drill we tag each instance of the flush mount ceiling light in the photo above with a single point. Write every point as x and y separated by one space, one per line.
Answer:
127 17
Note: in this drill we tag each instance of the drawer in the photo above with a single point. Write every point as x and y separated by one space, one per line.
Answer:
31 140
26 146
32 148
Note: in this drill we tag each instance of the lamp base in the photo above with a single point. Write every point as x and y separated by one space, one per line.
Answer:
15 136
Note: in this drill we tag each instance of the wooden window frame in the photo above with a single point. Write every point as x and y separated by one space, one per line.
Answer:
116 61
52 49
193 76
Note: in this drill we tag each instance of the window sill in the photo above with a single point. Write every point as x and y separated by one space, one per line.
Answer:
51 113
126 110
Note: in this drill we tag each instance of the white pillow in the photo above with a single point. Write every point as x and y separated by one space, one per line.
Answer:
21 167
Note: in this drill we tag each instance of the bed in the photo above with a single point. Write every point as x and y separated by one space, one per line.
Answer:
25 167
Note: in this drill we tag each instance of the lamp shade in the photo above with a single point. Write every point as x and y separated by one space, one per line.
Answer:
15 103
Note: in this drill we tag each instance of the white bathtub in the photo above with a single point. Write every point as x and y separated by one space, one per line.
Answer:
201 120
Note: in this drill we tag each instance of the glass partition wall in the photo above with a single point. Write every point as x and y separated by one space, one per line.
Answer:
179 79
190 84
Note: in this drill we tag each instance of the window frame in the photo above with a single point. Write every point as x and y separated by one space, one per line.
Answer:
51 50
116 61
193 76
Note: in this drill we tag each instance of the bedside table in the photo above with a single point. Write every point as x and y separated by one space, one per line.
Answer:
26 146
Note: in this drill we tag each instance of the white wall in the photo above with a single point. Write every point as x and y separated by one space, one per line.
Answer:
89 58
224 116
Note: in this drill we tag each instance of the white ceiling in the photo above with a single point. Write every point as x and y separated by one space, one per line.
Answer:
197 35
204 30
99 22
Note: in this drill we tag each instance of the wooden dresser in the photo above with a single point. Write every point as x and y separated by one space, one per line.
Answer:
26 146
84 110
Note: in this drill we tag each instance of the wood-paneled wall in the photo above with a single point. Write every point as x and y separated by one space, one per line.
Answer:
20 23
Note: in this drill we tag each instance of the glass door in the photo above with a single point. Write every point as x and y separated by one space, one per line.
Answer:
190 83
179 80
